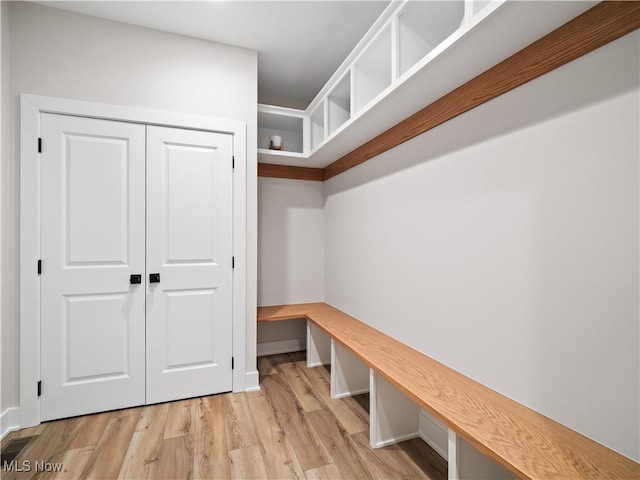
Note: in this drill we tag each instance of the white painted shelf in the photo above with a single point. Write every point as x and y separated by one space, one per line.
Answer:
285 122
416 52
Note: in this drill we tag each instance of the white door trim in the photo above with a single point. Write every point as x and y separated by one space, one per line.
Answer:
31 109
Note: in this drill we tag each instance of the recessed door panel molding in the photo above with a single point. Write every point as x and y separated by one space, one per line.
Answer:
97 199
190 311
191 205
96 336
93 233
190 247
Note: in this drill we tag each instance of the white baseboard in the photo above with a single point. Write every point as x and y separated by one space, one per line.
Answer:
317 364
351 394
434 434
394 440
252 381
9 421
281 346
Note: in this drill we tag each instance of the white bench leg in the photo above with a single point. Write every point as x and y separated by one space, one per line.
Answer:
393 417
465 462
452 457
349 376
318 347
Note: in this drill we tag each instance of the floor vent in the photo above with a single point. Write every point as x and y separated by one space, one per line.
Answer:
13 449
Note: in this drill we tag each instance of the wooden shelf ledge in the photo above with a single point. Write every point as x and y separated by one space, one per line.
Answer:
276 313
525 442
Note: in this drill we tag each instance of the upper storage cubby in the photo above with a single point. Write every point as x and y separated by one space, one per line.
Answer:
400 44
422 26
317 126
475 6
414 53
286 125
372 71
339 104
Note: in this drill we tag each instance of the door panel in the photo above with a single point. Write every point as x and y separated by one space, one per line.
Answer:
93 218
189 243
190 204
190 311
96 336
96 200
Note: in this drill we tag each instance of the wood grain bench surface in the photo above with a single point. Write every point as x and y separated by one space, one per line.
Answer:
525 442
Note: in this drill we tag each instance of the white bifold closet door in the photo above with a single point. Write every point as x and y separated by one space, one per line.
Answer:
122 201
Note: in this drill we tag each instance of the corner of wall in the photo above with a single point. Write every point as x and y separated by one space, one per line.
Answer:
8 237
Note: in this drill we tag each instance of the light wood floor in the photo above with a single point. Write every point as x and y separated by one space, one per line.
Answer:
291 428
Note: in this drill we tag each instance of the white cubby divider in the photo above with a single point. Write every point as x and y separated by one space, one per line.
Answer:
405 39
318 347
393 416
422 26
339 104
349 376
372 71
472 7
317 124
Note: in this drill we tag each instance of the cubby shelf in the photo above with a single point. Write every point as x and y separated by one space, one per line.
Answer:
339 105
372 70
414 40
392 72
287 123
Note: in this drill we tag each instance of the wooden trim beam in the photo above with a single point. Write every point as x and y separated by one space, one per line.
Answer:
286 171
604 23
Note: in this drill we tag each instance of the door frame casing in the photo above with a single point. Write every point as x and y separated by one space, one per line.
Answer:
31 109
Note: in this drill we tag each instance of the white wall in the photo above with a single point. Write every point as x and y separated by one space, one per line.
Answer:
504 243
8 239
4 96
63 54
290 255
290 239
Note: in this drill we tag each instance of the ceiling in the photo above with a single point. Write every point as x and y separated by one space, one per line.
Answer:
299 43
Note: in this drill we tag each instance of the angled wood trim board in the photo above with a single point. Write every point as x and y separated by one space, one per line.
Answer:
604 23
285 171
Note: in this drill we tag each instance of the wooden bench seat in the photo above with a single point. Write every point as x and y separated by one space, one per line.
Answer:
525 442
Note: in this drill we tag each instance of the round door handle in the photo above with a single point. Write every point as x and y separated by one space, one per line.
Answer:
154 278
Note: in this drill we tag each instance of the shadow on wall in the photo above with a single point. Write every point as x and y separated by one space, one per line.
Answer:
290 241
569 89
514 258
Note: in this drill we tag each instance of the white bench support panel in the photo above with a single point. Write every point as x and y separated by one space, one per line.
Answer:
467 463
349 376
393 417
318 346
434 433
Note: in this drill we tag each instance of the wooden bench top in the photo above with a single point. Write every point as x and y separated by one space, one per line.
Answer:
525 442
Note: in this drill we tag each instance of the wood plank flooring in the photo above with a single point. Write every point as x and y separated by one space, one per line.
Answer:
290 429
